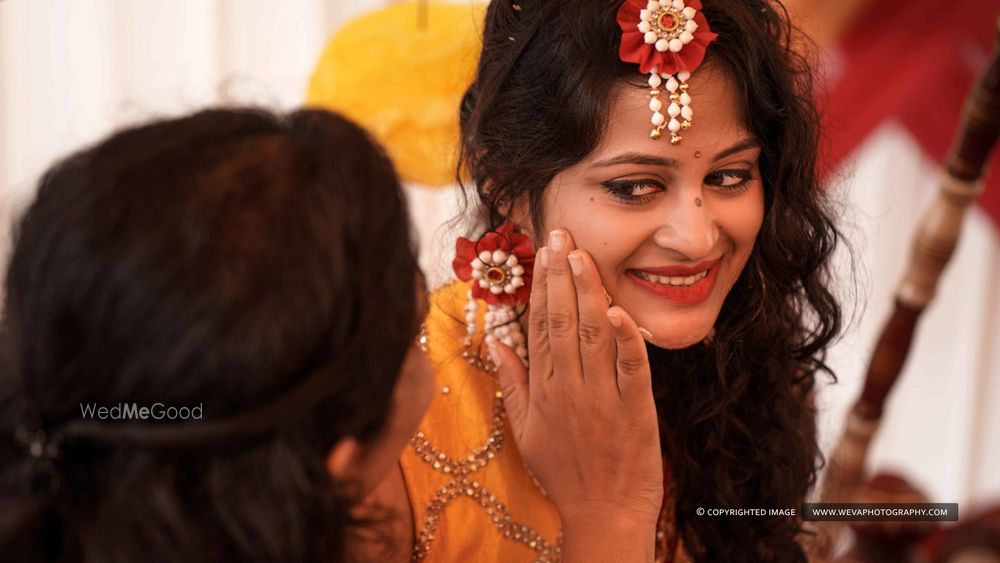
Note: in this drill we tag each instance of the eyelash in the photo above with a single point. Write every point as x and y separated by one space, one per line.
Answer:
621 189
743 175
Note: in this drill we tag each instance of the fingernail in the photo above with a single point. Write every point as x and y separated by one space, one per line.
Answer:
543 256
494 353
575 264
557 240
646 335
614 318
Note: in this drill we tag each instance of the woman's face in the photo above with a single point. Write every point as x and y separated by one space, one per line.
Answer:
368 464
410 400
670 227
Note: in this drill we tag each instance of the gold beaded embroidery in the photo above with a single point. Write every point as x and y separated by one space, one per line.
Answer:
479 362
463 487
422 337
476 460
495 510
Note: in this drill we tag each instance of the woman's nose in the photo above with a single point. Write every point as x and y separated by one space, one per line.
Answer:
689 228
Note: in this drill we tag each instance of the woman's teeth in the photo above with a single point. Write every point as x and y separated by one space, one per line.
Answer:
679 281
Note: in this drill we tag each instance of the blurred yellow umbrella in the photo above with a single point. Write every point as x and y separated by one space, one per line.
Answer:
401 72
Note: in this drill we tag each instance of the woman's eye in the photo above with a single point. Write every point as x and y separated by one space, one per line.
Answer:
633 191
729 180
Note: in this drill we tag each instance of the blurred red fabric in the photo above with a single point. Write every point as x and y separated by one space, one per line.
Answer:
913 61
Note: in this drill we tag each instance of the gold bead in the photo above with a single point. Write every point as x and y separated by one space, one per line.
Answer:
654 134
674 97
498 394
685 124
674 139
654 92
684 86
422 338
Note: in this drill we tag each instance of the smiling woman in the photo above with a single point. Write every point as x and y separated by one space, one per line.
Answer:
662 156
670 233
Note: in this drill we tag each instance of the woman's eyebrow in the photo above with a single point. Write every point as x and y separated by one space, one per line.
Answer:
748 143
653 160
636 158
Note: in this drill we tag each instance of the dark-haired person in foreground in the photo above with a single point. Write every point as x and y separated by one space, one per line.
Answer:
209 348
219 271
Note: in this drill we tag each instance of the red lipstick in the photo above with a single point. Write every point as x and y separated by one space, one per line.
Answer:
680 295
684 271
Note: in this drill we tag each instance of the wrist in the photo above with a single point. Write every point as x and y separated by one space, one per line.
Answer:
602 536
614 522
585 515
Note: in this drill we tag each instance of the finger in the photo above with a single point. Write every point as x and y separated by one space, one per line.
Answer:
635 384
595 336
538 328
561 311
513 385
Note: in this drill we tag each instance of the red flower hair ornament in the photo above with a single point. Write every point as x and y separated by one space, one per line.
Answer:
500 264
668 40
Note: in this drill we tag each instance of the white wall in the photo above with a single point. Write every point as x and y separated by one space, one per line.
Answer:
72 70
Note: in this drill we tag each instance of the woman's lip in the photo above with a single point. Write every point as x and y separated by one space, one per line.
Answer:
680 271
681 295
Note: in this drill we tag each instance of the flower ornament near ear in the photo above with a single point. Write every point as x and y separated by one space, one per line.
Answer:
499 265
668 40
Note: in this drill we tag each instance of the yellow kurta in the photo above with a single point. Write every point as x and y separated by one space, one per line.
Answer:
472 497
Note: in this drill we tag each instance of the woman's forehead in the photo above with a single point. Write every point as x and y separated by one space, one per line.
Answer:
716 124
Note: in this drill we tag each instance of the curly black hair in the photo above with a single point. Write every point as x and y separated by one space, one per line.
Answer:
737 415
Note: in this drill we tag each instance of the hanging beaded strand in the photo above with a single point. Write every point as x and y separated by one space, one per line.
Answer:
471 306
655 105
679 110
669 25
499 272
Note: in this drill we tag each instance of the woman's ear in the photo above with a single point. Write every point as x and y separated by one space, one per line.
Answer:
518 212
343 458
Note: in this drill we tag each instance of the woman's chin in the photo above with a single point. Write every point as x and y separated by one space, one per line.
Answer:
672 339
672 344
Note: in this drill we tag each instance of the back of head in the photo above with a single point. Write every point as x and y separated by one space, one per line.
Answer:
215 261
